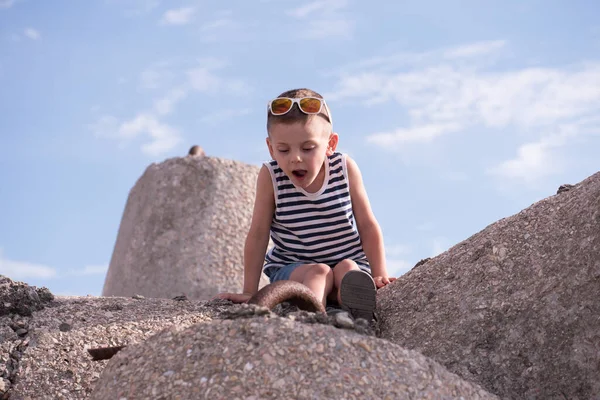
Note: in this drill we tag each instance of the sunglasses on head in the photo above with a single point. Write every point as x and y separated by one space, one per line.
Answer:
308 105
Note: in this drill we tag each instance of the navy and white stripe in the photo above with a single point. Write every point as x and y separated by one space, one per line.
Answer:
314 227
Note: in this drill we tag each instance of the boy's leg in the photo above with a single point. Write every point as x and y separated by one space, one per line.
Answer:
317 277
356 291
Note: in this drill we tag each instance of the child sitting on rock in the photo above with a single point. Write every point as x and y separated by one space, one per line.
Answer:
311 200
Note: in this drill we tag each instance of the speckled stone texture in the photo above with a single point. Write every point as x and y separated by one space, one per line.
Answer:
183 230
514 307
20 298
274 358
44 356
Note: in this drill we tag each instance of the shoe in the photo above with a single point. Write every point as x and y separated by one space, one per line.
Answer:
358 294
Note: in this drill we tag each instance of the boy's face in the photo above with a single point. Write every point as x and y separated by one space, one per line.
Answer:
300 150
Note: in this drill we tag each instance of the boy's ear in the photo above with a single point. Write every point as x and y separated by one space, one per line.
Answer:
332 144
270 146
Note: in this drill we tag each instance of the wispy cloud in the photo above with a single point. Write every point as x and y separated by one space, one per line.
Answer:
395 262
218 24
421 134
135 8
318 7
224 115
21 270
439 245
224 28
163 137
455 89
165 105
541 158
6 3
89 270
397 267
204 78
426 226
32 34
178 16
323 19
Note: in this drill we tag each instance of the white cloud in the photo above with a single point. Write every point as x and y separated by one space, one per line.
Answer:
204 79
450 90
397 250
474 49
220 23
163 137
426 226
397 267
225 29
157 75
164 105
90 270
178 16
224 115
329 27
32 34
422 134
149 79
318 7
21 270
6 3
439 245
135 8
324 19
105 126
538 159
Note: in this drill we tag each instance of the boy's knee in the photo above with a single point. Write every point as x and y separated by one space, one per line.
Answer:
344 266
320 269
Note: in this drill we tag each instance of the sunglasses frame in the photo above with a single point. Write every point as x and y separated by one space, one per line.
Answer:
296 100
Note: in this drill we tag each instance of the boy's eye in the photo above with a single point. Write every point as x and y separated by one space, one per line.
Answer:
283 150
308 149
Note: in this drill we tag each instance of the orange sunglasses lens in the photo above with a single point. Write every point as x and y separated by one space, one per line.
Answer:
310 105
281 106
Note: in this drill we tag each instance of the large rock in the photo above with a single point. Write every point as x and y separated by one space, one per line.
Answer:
515 307
275 358
183 230
44 356
20 298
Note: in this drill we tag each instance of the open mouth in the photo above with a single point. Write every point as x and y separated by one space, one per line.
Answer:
299 173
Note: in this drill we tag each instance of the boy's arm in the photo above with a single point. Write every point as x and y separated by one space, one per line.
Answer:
257 239
368 227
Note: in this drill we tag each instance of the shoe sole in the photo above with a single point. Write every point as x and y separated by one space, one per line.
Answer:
358 294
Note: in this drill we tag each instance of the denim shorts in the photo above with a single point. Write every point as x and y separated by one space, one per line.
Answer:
283 273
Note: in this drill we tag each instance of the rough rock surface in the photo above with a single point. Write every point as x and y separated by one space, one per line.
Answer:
514 307
183 230
44 355
274 358
50 360
20 298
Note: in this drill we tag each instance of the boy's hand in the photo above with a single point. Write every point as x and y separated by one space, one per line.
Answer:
381 281
235 297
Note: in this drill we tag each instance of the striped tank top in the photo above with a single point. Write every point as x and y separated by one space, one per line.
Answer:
314 227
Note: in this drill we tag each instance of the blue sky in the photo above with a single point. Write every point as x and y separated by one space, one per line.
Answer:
458 113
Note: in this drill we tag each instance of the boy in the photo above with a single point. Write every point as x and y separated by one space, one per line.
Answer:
312 202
